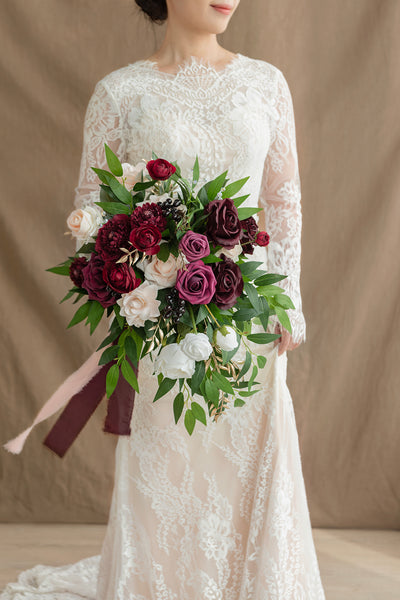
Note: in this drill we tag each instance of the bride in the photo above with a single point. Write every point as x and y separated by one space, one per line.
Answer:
221 514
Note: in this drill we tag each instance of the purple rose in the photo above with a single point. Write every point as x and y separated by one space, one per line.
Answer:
94 283
223 224
194 245
229 283
196 283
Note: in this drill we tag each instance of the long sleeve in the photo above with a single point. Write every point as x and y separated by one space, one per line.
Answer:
280 197
102 124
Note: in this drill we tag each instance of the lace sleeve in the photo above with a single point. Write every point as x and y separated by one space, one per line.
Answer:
102 124
280 196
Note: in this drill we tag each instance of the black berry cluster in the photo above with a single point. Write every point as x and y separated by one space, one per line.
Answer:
175 306
171 207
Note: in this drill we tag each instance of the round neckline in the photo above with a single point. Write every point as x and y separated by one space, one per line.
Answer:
192 64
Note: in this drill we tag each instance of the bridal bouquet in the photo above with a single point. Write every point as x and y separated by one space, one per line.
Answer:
173 268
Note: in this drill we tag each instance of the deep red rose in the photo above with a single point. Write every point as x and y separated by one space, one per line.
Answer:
249 233
75 270
160 168
146 238
196 283
149 213
229 282
94 283
121 277
223 224
262 238
112 236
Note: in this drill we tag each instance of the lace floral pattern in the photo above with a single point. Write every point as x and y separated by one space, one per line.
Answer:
221 514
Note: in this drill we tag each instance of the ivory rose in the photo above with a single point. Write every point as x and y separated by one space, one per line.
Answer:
160 273
131 174
140 304
225 338
232 253
196 346
172 362
84 223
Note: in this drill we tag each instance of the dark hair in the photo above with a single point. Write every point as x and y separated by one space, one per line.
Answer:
156 10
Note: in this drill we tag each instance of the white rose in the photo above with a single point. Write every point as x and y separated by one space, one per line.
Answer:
232 253
84 223
140 304
172 362
196 346
160 273
131 174
225 338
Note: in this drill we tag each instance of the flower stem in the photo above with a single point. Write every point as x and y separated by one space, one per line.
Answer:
211 314
192 317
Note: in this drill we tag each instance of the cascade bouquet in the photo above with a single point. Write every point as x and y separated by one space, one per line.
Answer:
173 270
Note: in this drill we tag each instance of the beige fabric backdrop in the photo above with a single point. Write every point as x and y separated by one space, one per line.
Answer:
341 60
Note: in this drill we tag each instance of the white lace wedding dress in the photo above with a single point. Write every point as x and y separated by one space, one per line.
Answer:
221 514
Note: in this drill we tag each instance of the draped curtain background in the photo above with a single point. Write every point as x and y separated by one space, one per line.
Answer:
341 60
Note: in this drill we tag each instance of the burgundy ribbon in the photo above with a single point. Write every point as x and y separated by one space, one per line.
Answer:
82 405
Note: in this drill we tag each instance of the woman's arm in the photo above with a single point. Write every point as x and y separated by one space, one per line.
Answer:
103 124
280 196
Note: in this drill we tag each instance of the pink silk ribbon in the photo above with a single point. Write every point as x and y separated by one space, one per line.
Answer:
80 394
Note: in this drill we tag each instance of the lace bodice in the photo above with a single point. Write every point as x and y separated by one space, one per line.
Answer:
239 118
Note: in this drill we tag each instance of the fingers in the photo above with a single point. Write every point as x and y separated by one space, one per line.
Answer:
285 341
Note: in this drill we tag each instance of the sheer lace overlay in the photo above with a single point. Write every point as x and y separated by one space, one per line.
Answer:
221 514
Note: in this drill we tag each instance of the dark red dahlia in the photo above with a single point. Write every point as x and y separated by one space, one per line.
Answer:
112 236
149 213
75 270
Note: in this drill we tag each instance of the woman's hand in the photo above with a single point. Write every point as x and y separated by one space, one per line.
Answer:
285 341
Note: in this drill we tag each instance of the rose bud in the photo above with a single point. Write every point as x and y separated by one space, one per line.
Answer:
262 238
160 169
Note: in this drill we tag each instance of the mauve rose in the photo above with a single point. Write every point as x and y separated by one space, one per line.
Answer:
194 245
160 169
112 236
262 238
223 224
229 283
94 283
121 277
150 212
196 283
75 270
146 238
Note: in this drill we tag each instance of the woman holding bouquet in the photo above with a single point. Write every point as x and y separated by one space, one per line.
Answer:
221 514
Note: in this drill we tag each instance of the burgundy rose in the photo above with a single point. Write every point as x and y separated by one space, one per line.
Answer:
149 213
196 283
229 282
249 234
94 283
223 224
194 245
112 236
160 168
146 238
75 270
121 277
262 238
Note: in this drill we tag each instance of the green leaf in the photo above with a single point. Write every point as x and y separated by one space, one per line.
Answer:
120 320
261 361
178 406
283 318
131 350
246 365
165 386
253 296
109 339
248 393
114 208
239 402
95 314
253 376
87 248
113 162
244 314
196 171
198 412
214 186
269 290
67 296
264 314
129 374
284 301
121 192
269 278
239 200
211 259
262 338
142 185
112 379
163 252
222 383
198 376
103 175
61 269
249 266
109 354
212 392
247 211
80 314
232 188
190 421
